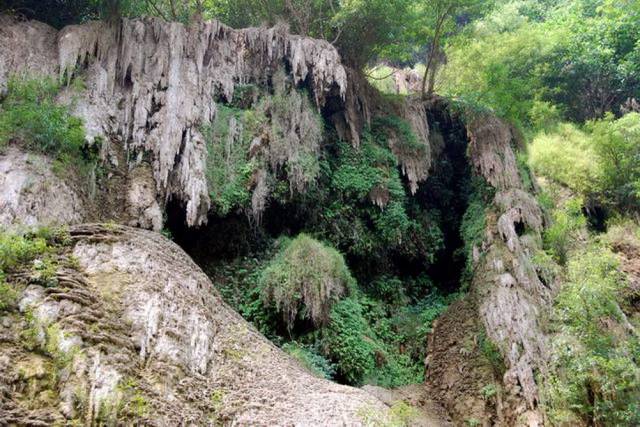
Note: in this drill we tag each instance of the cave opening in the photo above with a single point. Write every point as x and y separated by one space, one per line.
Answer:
445 196
448 191
233 250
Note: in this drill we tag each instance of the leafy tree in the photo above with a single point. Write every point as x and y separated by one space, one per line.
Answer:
617 145
576 59
440 18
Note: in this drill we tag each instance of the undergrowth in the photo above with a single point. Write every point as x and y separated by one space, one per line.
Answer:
31 118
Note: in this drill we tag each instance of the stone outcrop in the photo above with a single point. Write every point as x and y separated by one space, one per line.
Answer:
506 299
136 331
31 194
137 306
153 85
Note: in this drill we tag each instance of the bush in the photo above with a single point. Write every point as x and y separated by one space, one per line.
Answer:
599 162
31 117
228 168
564 233
349 341
566 156
617 145
596 375
366 212
305 278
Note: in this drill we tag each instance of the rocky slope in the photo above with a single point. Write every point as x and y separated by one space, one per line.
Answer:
136 331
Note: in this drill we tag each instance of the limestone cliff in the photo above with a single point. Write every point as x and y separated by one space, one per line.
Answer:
507 298
136 331
140 327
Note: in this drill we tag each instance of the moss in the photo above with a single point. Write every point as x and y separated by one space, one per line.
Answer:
490 351
217 399
131 402
310 358
402 414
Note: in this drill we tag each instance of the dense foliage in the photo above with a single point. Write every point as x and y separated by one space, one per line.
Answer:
537 61
598 162
346 272
30 116
305 279
596 371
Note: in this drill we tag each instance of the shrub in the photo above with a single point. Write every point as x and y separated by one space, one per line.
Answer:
349 341
31 117
596 375
567 156
306 277
228 168
563 234
617 145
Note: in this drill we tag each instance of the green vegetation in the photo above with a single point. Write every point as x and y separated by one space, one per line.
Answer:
535 62
35 251
598 162
350 342
563 234
249 150
596 375
305 279
228 170
31 118
311 359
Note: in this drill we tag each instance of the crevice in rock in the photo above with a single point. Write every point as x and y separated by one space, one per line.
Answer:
447 191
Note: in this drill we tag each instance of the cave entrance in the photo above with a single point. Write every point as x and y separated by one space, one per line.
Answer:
397 287
447 192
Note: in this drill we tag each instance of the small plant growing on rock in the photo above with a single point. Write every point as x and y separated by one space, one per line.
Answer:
30 116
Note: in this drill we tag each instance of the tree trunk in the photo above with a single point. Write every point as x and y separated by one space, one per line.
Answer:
435 43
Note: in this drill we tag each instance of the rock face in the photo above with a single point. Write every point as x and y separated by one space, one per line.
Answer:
511 295
506 299
27 187
153 85
137 331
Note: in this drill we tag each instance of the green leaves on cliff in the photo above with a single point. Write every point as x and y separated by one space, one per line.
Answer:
596 374
32 251
30 117
598 161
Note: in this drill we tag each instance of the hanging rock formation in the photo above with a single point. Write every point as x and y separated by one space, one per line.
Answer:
506 299
151 87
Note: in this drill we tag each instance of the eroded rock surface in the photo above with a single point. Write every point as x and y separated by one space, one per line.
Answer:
139 332
506 300
31 194
153 85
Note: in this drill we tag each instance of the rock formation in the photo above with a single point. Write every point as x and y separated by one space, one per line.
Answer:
137 329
